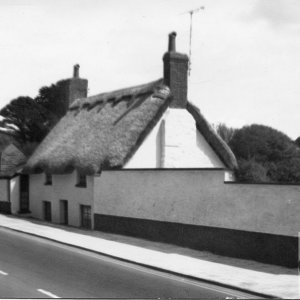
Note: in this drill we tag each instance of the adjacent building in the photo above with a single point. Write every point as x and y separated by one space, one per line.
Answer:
12 159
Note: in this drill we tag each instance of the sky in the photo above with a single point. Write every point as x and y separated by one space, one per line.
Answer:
245 53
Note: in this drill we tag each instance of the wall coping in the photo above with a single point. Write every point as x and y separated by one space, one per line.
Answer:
262 183
168 169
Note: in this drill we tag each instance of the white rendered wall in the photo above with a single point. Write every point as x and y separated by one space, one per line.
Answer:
62 188
185 147
198 197
175 143
3 190
15 194
149 154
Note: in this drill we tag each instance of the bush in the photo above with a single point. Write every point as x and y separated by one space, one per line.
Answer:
265 155
251 171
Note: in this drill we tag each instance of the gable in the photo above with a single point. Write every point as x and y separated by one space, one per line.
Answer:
175 142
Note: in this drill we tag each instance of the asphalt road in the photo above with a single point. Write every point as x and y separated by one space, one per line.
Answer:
32 267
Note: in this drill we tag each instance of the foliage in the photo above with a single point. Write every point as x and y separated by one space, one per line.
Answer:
52 98
251 171
27 119
265 154
297 141
30 120
225 132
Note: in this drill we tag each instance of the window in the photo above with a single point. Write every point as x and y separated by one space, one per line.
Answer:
81 180
48 179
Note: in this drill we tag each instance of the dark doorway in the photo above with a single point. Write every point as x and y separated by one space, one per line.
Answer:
86 219
64 212
24 193
47 211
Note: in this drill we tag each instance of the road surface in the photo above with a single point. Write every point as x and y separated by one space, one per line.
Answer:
32 267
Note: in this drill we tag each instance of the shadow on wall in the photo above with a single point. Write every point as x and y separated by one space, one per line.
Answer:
5 207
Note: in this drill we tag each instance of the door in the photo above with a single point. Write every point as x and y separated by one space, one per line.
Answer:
64 212
24 193
86 219
47 211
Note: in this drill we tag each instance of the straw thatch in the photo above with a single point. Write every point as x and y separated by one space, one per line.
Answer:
215 141
102 131
11 159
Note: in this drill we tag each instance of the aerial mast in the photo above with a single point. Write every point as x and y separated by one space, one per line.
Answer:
191 12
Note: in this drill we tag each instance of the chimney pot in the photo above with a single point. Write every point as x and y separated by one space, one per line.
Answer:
76 71
172 41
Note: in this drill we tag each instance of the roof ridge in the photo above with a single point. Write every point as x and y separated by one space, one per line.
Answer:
116 94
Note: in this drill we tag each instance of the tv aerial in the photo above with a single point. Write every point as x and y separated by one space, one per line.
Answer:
191 13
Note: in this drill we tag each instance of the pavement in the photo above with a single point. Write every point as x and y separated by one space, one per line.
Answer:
244 275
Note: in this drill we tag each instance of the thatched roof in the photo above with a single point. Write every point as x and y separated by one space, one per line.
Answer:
11 159
104 131
101 131
215 141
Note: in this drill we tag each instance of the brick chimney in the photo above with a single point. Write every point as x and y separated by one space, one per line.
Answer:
176 73
74 88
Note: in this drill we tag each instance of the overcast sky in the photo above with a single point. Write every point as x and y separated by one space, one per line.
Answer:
245 53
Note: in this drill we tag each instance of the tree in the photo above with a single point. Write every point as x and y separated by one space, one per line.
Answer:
265 154
297 141
26 119
225 132
30 120
53 98
251 171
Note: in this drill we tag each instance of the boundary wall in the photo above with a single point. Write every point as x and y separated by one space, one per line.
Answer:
196 209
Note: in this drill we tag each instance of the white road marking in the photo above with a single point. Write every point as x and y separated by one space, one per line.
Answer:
100 256
48 293
3 273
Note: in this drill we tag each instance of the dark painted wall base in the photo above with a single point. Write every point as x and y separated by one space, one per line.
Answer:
5 207
267 248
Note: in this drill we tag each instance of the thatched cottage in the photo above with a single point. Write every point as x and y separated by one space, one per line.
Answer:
143 161
143 128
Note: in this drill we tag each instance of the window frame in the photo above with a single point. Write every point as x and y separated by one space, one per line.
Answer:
48 179
81 180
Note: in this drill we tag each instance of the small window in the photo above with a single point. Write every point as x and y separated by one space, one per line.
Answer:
48 179
81 180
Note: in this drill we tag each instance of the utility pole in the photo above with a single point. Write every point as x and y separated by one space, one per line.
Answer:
191 12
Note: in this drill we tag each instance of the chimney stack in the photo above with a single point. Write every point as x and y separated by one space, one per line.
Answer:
176 73
73 88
